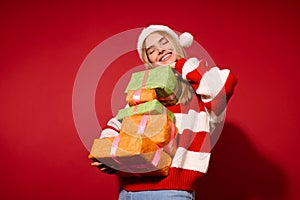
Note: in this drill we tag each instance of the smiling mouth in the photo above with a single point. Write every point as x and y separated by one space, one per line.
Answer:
165 57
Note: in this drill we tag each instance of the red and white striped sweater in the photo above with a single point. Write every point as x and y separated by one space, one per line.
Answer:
195 121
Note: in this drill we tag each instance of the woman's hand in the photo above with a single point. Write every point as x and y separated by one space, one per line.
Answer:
172 65
102 167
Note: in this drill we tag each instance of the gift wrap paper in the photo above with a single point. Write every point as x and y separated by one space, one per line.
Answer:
162 79
135 144
158 128
155 163
151 108
135 97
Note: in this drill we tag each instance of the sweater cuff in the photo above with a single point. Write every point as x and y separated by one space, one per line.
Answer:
190 65
179 64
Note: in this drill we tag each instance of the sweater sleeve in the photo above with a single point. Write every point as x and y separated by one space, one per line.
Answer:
212 85
112 128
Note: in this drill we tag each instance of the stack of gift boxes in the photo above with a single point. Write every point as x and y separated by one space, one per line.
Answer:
148 135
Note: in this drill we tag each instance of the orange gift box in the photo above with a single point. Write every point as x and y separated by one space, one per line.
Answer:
135 97
158 128
136 144
130 162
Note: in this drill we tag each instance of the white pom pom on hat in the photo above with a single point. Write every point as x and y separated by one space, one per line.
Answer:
185 39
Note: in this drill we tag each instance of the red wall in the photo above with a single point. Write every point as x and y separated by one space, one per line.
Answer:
44 44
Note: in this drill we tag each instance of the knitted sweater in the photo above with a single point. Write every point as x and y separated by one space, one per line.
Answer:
195 121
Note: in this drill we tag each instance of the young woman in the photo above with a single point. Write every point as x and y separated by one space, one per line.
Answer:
201 106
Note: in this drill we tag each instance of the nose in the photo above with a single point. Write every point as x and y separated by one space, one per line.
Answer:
160 51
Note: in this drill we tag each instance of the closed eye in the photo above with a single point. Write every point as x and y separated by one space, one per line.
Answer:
149 51
163 41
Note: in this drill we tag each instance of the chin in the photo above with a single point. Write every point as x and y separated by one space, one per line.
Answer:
169 63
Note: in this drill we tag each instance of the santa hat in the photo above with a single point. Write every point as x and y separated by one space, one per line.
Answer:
185 39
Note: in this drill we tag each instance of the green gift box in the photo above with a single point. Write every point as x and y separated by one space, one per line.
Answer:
151 107
162 79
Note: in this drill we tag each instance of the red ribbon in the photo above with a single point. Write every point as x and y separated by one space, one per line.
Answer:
136 97
135 109
143 124
146 74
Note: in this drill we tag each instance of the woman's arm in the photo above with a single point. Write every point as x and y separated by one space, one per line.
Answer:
112 128
214 86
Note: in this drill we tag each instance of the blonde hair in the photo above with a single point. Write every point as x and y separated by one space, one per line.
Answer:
186 89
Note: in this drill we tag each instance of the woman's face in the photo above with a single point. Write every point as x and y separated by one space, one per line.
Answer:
160 50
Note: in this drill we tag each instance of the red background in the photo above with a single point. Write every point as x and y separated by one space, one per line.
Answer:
44 44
